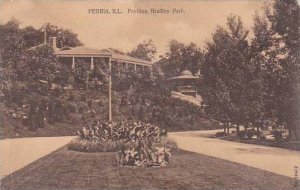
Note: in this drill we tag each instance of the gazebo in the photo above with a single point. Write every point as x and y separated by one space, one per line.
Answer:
184 83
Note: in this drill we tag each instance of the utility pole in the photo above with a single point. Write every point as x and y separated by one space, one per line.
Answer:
109 90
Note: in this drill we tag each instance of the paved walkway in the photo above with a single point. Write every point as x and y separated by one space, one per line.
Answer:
17 153
276 160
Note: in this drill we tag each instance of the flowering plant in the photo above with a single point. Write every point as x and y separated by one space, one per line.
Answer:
143 144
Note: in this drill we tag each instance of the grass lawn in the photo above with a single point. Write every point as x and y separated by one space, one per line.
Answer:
65 169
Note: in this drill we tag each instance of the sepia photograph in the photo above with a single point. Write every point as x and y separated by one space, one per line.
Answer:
149 95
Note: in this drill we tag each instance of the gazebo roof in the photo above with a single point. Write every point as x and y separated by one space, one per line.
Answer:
186 74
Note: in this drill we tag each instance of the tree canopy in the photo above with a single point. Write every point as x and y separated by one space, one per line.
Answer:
145 50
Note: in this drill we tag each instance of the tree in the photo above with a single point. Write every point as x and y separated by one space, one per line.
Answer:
32 36
227 75
17 44
41 63
278 56
12 48
181 57
145 50
65 37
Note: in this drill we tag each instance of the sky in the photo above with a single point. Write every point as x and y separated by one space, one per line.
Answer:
196 23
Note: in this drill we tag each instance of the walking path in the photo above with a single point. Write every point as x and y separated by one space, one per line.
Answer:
276 160
17 153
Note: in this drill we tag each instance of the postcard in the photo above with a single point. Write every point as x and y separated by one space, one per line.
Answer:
135 94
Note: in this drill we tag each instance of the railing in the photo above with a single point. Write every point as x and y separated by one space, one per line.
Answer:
186 98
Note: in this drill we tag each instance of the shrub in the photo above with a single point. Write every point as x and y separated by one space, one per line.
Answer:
84 145
220 134
251 133
242 134
83 97
137 143
71 97
123 130
56 92
262 136
277 135
144 152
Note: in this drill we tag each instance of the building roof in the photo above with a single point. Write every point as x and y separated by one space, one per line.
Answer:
83 51
186 74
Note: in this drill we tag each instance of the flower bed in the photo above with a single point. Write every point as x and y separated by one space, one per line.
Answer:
84 145
136 143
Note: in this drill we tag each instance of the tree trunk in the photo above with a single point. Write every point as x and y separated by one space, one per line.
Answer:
228 128
296 133
246 126
237 128
290 136
291 131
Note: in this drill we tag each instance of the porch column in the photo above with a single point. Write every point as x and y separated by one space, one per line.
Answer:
92 64
73 63
135 67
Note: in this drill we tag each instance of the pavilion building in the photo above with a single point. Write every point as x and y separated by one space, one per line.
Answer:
71 56
184 83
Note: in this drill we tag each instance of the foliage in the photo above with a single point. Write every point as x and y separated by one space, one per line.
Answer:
143 144
220 134
258 81
84 145
145 153
180 57
65 37
250 133
242 134
22 48
32 36
277 135
145 51
12 47
276 51
227 88
123 130
41 64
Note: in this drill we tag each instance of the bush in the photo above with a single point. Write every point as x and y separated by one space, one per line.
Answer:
242 134
83 97
277 135
71 97
137 143
145 153
262 136
84 145
251 133
123 130
220 134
